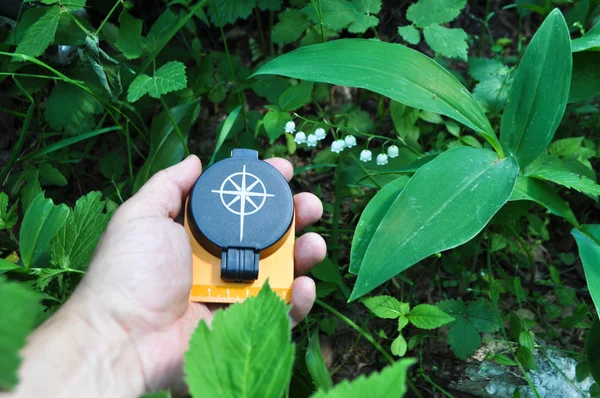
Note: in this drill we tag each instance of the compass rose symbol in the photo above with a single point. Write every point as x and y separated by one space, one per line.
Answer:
243 194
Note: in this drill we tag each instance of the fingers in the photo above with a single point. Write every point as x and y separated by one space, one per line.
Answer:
303 298
284 167
164 193
309 210
309 251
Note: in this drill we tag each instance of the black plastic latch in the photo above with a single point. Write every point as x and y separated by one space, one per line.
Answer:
239 265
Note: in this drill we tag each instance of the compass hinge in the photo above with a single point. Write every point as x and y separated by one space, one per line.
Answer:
239 265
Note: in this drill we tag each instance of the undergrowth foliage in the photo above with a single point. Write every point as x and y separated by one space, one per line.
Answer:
456 165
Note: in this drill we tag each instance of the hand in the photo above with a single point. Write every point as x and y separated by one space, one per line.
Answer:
138 283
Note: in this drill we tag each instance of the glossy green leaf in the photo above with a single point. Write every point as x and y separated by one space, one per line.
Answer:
386 307
399 346
166 148
588 242
370 219
224 133
246 352
589 41
40 34
538 96
40 224
6 266
450 43
538 191
274 122
390 383
446 203
393 70
428 12
316 364
410 34
427 316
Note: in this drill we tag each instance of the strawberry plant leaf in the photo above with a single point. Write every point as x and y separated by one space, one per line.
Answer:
229 359
230 10
292 23
74 244
389 383
40 34
450 43
365 20
588 242
169 77
8 217
494 82
463 338
19 313
130 36
316 364
539 93
427 316
428 12
482 316
419 224
72 109
386 307
410 34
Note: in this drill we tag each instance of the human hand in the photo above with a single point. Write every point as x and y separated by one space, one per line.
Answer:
141 273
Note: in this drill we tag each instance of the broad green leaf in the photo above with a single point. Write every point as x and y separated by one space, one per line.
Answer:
589 41
538 96
274 123
336 14
410 34
585 80
429 12
538 191
399 346
592 349
246 352
386 307
8 217
450 43
166 148
229 11
316 364
169 77
40 223
427 316
421 82
390 383
74 244
482 316
296 96
445 204
72 109
224 133
370 219
463 338
6 266
40 35
130 36
568 174
588 242
292 24
19 312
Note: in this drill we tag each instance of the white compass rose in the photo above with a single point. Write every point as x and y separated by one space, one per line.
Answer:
248 189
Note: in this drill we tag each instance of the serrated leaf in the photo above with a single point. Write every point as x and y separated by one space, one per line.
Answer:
273 5
429 12
292 24
72 109
40 35
274 123
588 242
40 224
368 6
463 338
74 244
453 307
19 312
399 346
539 93
450 43
427 316
565 146
495 80
389 383
230 10
410 34
363 23
73 4
482 316
316 364
336 14
8 217
130 36
229 359
386 307
169 77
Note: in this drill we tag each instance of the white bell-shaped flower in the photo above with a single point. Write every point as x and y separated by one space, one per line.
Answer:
382 159
366 155
338 146
300 137
320 133
392 151
350 141
311 140
290 127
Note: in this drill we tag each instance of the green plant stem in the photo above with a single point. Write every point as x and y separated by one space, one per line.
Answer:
523 245
176 127
83 28
260 31
488 4
32 75
108 16
14 113
319 13
129 161
337 209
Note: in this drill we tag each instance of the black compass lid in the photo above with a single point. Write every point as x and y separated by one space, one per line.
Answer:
240 203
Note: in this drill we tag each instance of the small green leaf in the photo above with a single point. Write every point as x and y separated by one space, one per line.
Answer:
19 312
565 146
274 122
327 272
225 131
160 29
427 316
450 43
429 12
74 244
503 359
525 357
463 338
336 14
292 24
410 34
495 80
386 307
49 175
526 340
399 346
402 322
316 364
170 77
230 11
246 352
8 217
72 109
538 96
588 242
40 223
366 20
389 383
130 36
296 96
40 35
